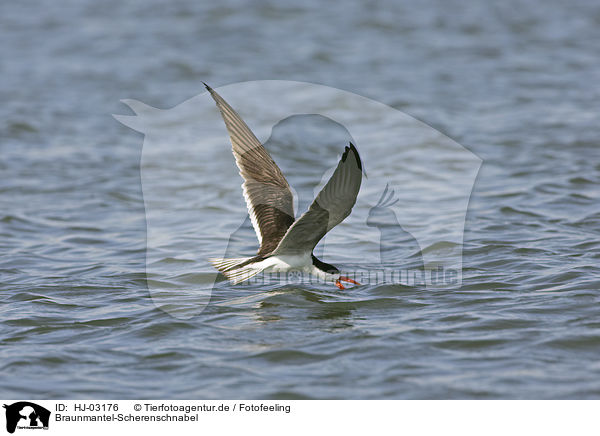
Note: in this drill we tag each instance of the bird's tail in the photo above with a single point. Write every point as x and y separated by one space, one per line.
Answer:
236 270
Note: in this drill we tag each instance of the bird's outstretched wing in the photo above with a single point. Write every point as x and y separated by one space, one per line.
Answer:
332 205
266 191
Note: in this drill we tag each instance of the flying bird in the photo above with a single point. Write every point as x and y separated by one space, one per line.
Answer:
286 243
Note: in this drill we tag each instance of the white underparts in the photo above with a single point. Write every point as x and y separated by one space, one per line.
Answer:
276 264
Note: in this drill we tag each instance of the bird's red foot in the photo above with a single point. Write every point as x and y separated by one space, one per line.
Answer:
349 280
338 282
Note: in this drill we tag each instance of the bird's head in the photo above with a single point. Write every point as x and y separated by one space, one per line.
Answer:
331 274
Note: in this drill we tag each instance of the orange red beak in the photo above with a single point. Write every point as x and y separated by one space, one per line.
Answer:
338 282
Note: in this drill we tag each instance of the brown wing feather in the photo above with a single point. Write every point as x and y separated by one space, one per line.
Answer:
331 206
266 191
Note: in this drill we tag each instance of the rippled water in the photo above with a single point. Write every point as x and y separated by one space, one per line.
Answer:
516 84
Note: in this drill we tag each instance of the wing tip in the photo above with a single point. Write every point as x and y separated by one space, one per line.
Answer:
212 93
356 155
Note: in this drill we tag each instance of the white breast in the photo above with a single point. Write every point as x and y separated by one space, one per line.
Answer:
286 263
303 263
